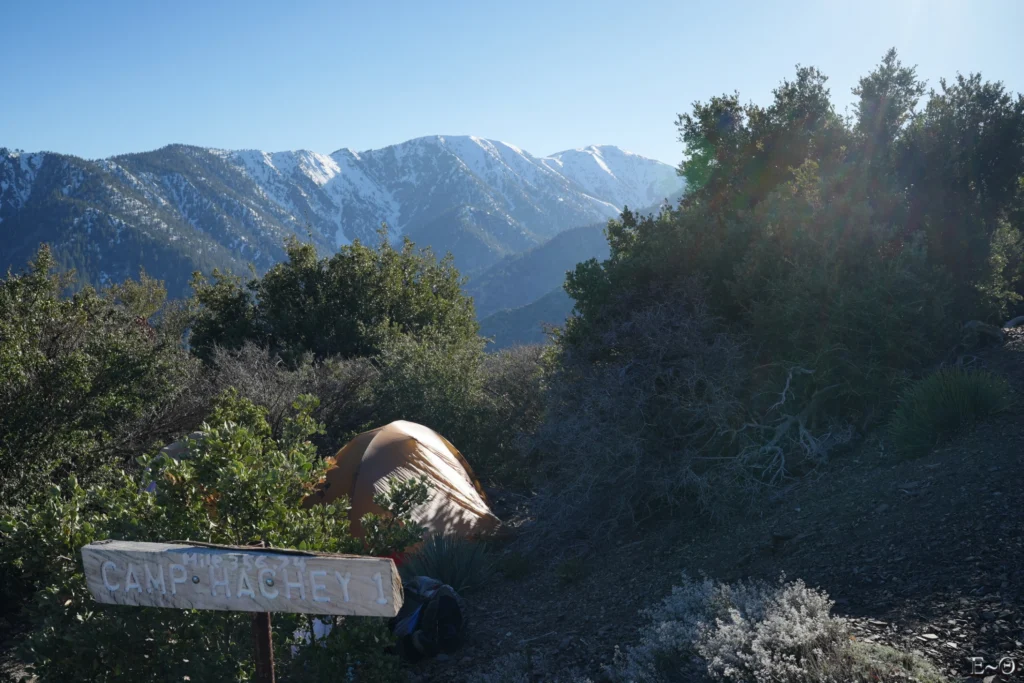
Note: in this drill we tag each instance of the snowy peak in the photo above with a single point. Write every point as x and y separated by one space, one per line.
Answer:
17 177
412 185
625 178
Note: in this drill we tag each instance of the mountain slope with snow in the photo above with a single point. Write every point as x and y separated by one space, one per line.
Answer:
200 208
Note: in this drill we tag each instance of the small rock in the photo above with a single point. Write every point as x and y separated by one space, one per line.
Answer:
466 660
566 643
442 657
930 636
882 508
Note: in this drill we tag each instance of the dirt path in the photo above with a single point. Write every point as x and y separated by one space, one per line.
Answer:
926 554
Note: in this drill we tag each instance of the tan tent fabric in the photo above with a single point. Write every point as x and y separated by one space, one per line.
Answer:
406 450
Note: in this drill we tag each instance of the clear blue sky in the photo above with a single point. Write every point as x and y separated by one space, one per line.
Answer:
104 77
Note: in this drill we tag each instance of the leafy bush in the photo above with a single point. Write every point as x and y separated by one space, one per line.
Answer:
940 405
484 404
84 380
239 484
511 408
961 159
433 379
353 649
461 563
755 631
824 290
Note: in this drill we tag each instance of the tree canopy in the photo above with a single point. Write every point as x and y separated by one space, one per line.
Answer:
344 305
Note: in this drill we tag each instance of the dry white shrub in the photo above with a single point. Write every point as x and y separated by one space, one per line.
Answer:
756 632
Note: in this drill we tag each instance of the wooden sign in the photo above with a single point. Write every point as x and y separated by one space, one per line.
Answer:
185 576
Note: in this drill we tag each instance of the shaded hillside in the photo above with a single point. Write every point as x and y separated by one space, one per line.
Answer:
525 325
474 237
525 277
521 279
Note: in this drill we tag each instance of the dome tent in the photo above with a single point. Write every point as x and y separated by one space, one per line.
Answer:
405 450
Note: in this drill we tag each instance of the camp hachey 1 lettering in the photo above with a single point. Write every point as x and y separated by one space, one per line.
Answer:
183 576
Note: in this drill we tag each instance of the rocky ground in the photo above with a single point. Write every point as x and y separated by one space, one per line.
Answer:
925 554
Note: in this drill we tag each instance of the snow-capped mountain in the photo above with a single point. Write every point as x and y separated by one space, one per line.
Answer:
183 208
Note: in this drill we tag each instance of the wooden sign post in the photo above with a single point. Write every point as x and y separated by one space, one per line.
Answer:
241 579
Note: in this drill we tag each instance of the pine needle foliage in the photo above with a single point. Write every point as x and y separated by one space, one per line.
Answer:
458 562
943 404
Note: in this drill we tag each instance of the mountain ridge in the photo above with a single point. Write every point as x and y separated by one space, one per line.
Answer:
205 207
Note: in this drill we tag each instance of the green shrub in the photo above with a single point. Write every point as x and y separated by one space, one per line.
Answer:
511 410
824 289
944 403
342 387
355 649
486 405
458 562
85 381
433 379
239 484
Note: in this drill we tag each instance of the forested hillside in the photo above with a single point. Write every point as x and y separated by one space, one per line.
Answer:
516 297
527 324
520 279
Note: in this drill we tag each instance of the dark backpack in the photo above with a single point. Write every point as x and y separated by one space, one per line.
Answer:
432 619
